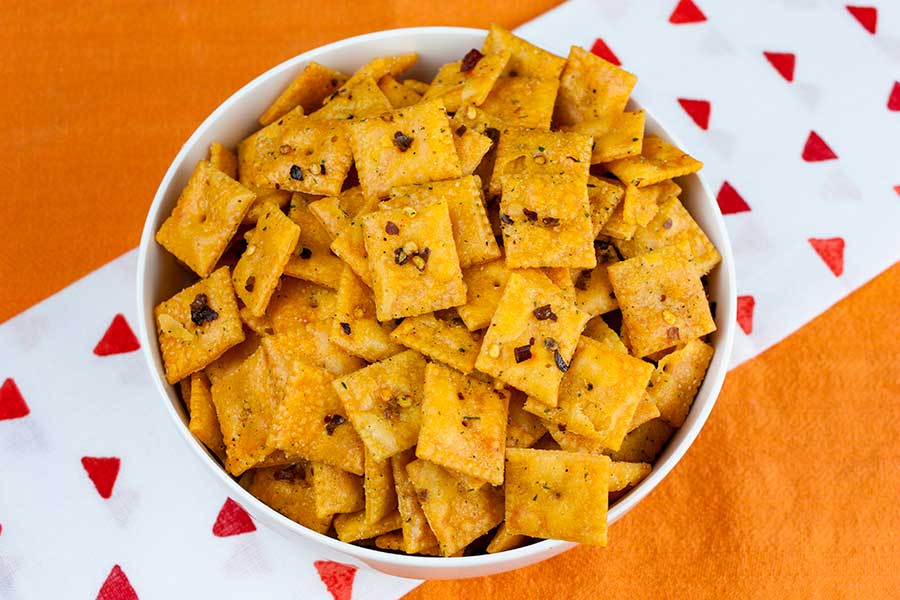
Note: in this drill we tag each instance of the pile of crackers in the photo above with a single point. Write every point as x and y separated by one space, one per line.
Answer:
442 318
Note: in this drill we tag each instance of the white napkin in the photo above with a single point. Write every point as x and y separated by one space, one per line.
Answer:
99 495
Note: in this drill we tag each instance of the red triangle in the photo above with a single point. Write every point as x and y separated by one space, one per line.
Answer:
603 51
686 12
12 404
832 252
698 110
866 15
337 577
118 338
783 62
730 202
745 306
103 472
816 150
117 586
894 99
232 520
897 189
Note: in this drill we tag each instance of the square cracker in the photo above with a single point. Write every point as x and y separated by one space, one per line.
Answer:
463 424
599 394
417 534
380 493
525 58
310 342
233 358
335 212
676 380
415 270
557 495
545 337
384 402
593 291
646 411
297 154
209 210
336 491
484 287
672 224
350 242
459 88
522 101
309 421
312 258
641 204
223 159
457 514
546 222
529 151
409 145
259 270
354 527
187 347
661 298
471 146
657 162
591 88
360 100
523 429
472 233
399 95
313 85
440 337
245 402
354 327
289 490
204 423
616 136
293 304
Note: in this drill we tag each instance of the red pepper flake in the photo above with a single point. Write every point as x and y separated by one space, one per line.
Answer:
461 130
296 173
391 228
667 224
550 221
290 473
402 141
425 253
201 312
560 363
492 133
550 343
542 313
522 353
305 253
332 422
345 327
470 60
562 427
530 215
250 283
505 219
400 257
673 333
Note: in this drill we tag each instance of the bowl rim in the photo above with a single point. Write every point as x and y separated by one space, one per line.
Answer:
623 505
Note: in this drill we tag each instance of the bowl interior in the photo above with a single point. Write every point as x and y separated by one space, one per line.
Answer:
160 276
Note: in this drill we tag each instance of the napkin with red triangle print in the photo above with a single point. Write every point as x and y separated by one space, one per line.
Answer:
794 106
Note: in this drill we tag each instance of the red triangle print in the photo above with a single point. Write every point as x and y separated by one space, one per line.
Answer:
832 252
232 520
103 472
894 99
730 202
117 586
816 150
337 577
12 404
783 62
745 305
698 110
866 15
686 12
603 51
118 338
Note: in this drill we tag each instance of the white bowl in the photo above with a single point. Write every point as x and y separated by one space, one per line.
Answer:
159 276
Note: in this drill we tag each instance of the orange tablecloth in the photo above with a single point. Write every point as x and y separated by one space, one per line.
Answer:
792 488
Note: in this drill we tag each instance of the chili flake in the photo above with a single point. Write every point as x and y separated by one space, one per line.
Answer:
550 221
250 283
530 215
402 141
560 363
296 173
332 422
400 257
542 313
470 60
673 333
289 473
345 327
550 343
461 130
505 219
201 312
667 224
522 353
391 228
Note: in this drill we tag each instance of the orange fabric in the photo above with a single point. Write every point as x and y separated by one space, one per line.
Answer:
792 488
